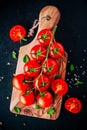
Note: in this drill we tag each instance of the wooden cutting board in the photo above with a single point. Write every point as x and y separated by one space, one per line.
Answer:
49 17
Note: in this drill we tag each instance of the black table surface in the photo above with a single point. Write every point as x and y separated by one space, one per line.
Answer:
72 33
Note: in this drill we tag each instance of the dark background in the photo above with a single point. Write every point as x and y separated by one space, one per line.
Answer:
72 33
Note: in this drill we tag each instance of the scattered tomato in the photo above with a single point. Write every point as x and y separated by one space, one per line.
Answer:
38 52
44 99
51 67
17 33
41 83
73 105
20 82
27 98
32 68
60 87
56 50
44 37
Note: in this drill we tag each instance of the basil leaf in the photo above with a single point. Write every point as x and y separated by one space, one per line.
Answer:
37 107
17 110
25 58
72 67
51 111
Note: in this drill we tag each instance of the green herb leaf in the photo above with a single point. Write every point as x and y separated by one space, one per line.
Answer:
51 111
72 67
14 55
57 77
37 107
78 83
17 110
25 58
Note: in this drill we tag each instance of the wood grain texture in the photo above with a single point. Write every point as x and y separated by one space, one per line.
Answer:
54 14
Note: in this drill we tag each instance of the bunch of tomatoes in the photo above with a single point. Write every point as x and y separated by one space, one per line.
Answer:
38 83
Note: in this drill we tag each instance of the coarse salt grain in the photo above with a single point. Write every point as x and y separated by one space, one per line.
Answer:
8 63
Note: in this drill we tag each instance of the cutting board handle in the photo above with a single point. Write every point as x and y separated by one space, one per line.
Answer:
49 17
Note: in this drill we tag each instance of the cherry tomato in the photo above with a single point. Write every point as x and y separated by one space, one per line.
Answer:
60 87
41 83
44 99
38 52
56 50
73 105
27 98
50 67
17 32
44 37
20 82
32 68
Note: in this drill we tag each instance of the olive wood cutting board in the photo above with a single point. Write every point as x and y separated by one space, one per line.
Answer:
53 16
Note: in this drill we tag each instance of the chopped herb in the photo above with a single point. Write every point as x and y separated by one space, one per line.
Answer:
72 67
42 94
14 55
17 110
78 83
51 111
25 58
57 77
32 69
37 107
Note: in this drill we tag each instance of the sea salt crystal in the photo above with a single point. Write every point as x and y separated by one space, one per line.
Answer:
70 50
81 66
8 63
1 78
83 59
83 73
84 50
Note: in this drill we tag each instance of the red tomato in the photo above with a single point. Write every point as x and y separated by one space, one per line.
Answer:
41 83
27 98
44 37
17 32
38 52
73 105
60 87
50 67
44 99
32 68
20 82
56 50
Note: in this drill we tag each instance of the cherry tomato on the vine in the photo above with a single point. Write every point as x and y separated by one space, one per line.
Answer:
60 87
32 68
27 98
17 33
44 99
51 67
73 105
41 83
20 82
56 50
44 37
38 52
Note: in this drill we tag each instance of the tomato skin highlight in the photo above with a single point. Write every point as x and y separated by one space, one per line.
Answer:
17 32
18 82
31 68
56 50
42 83
46 100
27 99
38 52
73 105
51 67
60 87
44 37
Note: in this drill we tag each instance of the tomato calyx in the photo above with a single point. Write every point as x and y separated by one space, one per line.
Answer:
32 70
56 50
45 37
42 94
49 69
